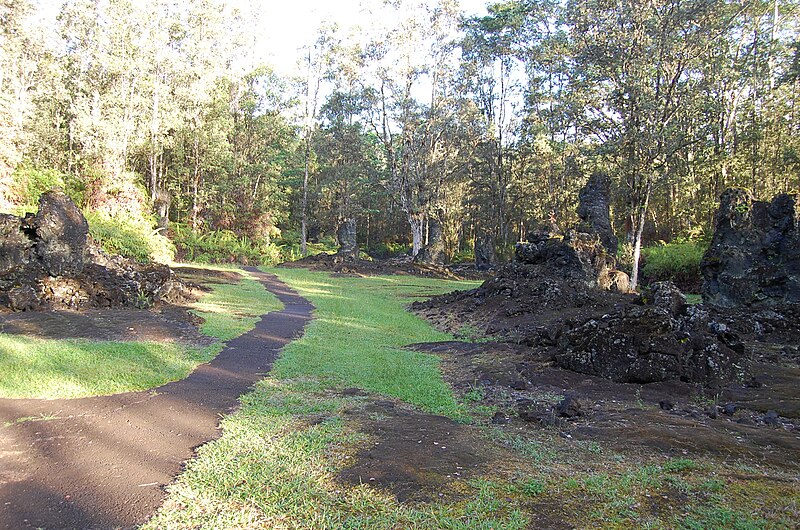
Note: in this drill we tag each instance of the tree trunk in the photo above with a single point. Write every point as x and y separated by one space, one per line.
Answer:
304 214
417 223
638 229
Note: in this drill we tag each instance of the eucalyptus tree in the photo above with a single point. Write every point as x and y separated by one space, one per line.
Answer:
409 81
264 145
19 55
348 161
493 49
317 59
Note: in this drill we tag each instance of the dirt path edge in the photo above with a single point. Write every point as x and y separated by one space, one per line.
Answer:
103 462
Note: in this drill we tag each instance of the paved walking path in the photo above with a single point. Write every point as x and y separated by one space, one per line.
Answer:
102 462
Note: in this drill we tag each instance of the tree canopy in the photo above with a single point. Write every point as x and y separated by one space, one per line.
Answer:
478 126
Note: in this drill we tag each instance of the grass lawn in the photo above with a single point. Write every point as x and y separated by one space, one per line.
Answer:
357 337
49 369
231 310
276 463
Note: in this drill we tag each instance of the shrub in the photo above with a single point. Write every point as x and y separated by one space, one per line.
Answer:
289 245
29 183
462 256
223 246
384 250
678 262
130 237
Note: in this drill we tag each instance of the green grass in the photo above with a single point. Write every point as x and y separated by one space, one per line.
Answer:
47 368
677 261
358 336
275 467
231 310
277 462
71 368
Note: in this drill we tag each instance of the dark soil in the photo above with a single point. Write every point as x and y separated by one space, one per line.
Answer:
103 462
168 324
417 457
420 458
193 274
403 265
164 323
672 418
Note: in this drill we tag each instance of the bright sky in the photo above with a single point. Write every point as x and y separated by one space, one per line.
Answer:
285 26
288 25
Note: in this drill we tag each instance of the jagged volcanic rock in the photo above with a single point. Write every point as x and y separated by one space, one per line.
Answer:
754 256
48 261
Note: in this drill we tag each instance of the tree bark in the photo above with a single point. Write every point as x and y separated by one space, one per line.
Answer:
638 230
417 223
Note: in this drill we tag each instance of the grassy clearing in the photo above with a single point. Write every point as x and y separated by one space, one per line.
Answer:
358 335
277 461
50 369
275 464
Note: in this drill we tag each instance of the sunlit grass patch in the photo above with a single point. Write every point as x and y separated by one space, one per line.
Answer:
231 310
48 368
358 336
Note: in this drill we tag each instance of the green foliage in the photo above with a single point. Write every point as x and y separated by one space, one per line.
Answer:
532 487
30 182
679 465
358 337
463 255
222 246
678 261
388 249
289 244
474 395
130 237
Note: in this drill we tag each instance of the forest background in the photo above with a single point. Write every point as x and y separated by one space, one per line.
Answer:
166 128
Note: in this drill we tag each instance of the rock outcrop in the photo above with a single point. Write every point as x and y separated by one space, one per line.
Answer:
578 257
754 257
658 340
594 212
485 255
61 235
348 241
47 261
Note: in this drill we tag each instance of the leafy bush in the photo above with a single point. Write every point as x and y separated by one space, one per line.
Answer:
463 256
131 237
678 262
223 246
383 250
289 245
29 183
